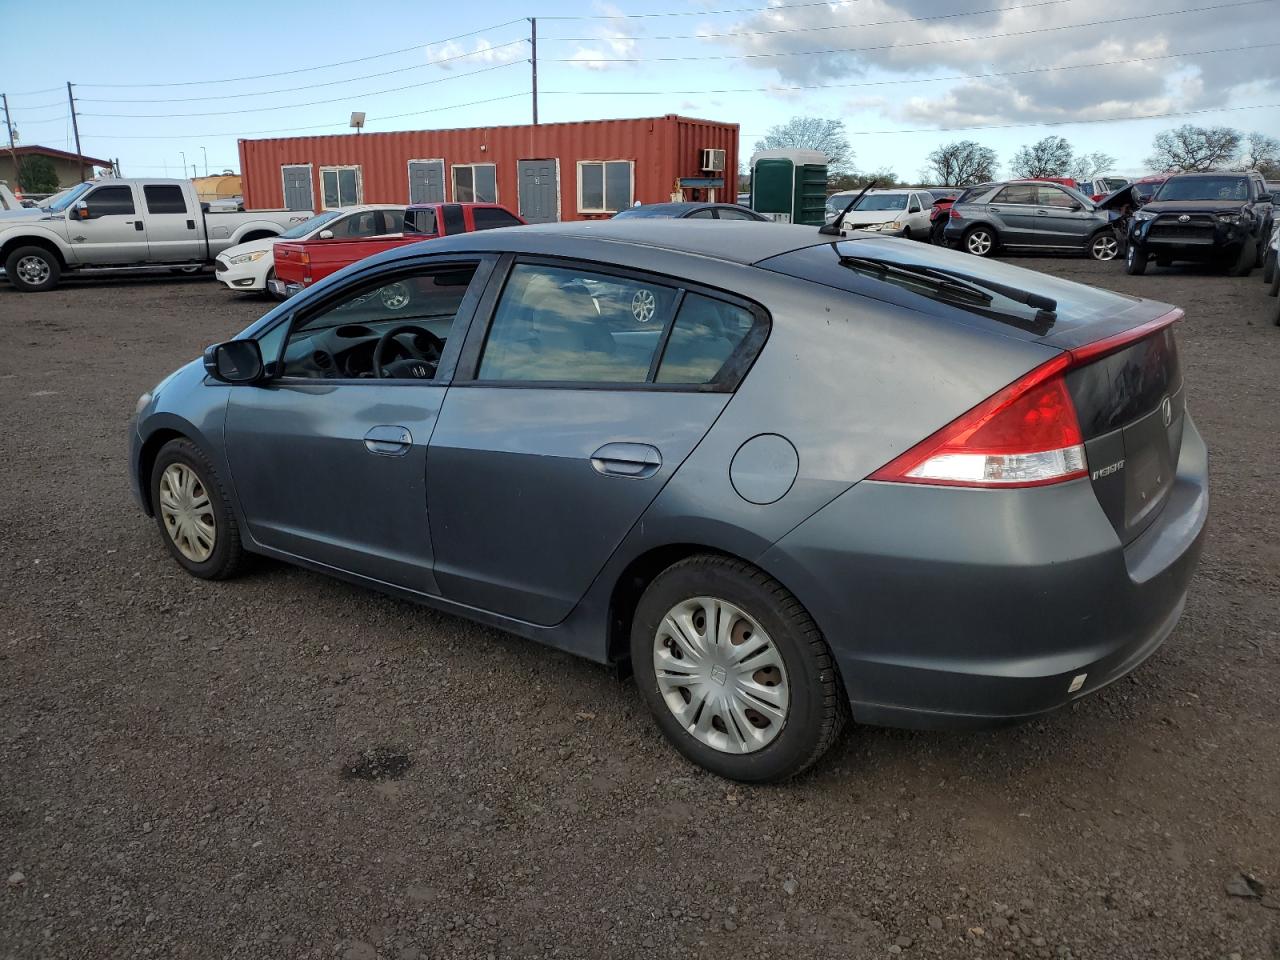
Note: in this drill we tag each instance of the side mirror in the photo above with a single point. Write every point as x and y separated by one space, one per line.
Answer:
325 234
235 361
1076 206
1266 198
82 210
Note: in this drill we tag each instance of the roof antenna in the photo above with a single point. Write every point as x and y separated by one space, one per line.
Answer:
833 229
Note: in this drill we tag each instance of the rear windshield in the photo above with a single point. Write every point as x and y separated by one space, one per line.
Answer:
1205 188
1077 304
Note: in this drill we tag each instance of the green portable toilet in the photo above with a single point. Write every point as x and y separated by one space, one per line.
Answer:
790 186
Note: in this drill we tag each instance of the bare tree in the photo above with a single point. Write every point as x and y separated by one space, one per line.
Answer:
812 133
1050 157
1193 148
1262 153
1090 165
960 164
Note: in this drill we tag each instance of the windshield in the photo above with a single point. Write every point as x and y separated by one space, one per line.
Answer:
306 226
1205 188
61 201
883 201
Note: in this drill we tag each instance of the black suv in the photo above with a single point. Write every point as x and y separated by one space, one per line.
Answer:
1222 217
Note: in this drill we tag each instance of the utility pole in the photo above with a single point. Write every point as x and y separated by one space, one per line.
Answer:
13 154
533 42
75 126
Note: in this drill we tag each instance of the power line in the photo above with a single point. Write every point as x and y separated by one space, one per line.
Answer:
827 26
32 93
696 13
39 106
896 82
306 86
917 43
308 103
317 126
323 66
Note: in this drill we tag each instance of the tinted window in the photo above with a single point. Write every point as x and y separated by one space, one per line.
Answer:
1053 197
705 214
559 324
425 221
487 218
705 336
453 220
164 198
1204 188
1016 193
729 214
110 201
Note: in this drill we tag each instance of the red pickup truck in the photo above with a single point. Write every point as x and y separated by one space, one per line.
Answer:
302 263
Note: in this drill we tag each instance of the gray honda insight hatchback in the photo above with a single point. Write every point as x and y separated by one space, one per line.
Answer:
791 479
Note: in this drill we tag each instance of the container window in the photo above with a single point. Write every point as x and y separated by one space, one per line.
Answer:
475 183
341 186
605 186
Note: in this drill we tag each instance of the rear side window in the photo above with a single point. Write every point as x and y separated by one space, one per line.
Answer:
424 220
110 201
164 198
453 220
488 218
367 223
1016 193
706 334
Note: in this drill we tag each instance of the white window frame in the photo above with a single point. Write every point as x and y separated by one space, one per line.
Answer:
311 179
359 184
453 180
604 184
408 173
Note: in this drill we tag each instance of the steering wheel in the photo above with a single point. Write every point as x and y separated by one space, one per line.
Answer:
420 364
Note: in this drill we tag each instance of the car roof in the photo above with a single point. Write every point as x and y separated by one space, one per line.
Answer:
1202 175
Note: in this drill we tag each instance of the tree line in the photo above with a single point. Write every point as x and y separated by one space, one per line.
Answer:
1187 148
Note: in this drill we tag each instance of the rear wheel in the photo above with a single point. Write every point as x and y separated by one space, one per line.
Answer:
1135 261
1244 261
1269 266
980 241
1274 289
33 269
936 232
734 670
1104 245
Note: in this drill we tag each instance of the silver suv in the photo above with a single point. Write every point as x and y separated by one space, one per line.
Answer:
1031 215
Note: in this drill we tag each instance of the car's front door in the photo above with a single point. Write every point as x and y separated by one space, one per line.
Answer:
1013 212
105 227
582 395
329 461
172 236
1061 219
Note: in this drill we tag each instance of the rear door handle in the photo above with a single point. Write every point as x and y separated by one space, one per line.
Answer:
388 440
635 461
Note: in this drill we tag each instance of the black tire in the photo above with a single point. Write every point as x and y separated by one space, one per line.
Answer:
1135 261
937 232
1274 289
1245 261
818 705
973 237
1164 261
1269 267
1275 312
227 554
26 261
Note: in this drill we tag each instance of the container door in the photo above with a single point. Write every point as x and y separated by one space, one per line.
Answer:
426 181
539 190
297 187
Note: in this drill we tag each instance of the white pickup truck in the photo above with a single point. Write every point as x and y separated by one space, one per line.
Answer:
125 223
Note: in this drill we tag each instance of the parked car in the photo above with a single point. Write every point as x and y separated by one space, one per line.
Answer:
298 264
1100 187
1271 258
247 267
618 439
8 200
1144 188
1031 215
940 212
125 223
695 211
900 213
1217 217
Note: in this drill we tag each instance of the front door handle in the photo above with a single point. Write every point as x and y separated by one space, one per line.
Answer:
388 440
635 461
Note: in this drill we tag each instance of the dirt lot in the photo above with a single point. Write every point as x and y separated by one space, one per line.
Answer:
172 752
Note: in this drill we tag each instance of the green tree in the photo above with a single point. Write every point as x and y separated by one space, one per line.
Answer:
37 175
812 133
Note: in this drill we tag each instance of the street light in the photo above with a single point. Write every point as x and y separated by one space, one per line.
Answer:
183 155
206 160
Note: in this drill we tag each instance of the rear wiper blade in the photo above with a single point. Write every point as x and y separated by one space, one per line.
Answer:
943 283
1016 294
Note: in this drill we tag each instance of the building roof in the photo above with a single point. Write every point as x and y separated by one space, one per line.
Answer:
37 151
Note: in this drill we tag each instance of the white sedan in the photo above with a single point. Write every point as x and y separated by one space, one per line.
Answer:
901 213
247 267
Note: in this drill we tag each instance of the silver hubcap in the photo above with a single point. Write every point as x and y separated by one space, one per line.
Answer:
187 512
643 305
395 296
1105 248
980 243
33 270
721 676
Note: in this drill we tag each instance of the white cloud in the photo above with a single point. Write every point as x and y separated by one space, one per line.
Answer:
453 55
608 46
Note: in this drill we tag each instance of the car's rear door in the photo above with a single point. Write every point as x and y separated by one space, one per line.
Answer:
580 391
173 234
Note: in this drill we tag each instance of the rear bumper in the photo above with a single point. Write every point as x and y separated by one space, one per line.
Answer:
948 607
282 289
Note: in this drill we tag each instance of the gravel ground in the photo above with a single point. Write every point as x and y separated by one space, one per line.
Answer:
180 762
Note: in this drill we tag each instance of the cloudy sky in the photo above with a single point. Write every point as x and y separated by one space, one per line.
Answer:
153 84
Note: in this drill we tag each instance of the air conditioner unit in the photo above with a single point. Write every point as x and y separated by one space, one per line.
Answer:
712 160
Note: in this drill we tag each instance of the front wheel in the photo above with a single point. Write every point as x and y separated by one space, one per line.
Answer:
1245 261
1135 261
33 269
1104 246
1269 267
735 672
194 513
980 241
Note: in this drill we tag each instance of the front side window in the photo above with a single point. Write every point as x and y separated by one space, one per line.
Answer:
392 329
557 324
110 202
164 198
475 183
604 186
341 186
1020 193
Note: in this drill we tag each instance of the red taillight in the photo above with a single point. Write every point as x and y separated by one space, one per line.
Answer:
1026 435
955 214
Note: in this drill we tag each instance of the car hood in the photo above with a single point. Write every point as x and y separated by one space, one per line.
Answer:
1194 206
858 218
251 247
25 215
